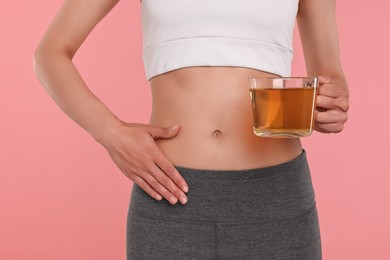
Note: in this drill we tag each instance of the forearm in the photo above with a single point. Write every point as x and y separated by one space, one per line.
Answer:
320 41
66 87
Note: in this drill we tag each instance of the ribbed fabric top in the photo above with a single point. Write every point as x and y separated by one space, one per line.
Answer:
245 33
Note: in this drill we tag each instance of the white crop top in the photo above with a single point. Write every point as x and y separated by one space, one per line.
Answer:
246 33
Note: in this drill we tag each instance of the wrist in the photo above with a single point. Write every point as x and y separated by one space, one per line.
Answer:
107 130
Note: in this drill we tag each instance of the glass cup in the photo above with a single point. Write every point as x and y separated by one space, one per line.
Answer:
283 106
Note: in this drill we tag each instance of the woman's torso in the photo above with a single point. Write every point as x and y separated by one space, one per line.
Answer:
212 106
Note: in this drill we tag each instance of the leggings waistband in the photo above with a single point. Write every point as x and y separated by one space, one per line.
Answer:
261 194
283 168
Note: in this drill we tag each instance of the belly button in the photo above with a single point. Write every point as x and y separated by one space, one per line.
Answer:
217 133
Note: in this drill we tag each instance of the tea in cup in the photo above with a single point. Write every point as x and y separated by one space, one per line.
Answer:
283 106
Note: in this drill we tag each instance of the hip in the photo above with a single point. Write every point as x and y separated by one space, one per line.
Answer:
260 213
278 192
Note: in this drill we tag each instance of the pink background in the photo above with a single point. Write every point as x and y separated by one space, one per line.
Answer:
61 196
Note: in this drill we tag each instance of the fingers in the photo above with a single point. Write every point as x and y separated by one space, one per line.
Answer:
329 128
332 103
332 90
330 121
175 181
164 132
331 116
163 184
146 187
165 165
161 174
328 90
137 155
323 79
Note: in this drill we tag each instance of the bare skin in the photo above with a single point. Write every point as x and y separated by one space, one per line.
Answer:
212 106
209 104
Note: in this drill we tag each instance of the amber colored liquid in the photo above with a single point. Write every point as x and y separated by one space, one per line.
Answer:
284 112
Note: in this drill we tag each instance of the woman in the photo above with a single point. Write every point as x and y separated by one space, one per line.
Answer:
240 196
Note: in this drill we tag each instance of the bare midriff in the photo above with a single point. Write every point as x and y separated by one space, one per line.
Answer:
213 108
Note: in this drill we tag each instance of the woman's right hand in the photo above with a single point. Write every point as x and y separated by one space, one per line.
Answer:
133 149
131 146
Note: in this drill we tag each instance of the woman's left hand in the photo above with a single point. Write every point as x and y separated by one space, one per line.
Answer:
332 106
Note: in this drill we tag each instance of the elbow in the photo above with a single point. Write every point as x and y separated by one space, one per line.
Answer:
43 57
40 55
37 58
40 60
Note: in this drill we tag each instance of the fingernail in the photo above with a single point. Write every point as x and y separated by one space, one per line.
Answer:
173 200
158 197
183 200
185 189
323 78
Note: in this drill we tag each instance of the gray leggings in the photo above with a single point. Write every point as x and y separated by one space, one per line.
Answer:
263 213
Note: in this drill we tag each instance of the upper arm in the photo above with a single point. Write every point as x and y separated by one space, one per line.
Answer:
73 23
318 30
